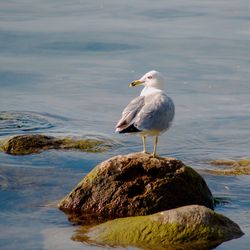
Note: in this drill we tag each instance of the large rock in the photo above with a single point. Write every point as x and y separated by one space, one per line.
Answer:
135 184
188 227
36 143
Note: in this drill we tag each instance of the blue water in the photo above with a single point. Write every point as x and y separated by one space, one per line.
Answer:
64 70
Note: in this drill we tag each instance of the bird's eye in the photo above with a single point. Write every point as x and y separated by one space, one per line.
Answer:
150 77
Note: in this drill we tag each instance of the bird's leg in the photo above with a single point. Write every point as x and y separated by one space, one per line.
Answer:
144 143
155 145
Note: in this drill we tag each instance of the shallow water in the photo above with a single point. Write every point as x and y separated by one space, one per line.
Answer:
65 69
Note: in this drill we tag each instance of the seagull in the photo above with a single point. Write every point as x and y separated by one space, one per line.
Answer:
149 114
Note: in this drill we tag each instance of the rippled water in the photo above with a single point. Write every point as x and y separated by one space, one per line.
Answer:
65 69
21 122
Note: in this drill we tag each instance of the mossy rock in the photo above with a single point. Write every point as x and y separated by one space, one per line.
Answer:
135 184
188 227
36 143
231 167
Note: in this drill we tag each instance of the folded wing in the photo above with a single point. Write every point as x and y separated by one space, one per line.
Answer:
154 113
125 124
157 113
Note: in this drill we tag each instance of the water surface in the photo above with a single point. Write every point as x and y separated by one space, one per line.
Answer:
64 70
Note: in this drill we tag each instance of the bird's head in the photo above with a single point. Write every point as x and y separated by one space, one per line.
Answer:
153 79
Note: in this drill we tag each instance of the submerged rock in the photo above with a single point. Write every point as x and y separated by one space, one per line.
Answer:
135 184
36 143
231 167
188 227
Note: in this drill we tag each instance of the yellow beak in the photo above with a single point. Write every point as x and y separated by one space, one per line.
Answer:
135 83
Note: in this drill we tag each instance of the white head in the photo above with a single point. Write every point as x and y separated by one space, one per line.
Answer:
153 79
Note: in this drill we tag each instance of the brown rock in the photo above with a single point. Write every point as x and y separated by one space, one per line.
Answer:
36 143
135 184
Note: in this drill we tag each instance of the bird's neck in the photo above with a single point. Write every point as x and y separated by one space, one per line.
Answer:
149 90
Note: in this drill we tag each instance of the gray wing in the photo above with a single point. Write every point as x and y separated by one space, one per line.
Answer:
130 113
157 113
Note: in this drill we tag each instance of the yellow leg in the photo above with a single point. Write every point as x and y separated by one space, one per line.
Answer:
144 143
155 145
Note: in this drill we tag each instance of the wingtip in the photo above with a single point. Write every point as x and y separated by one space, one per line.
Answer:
130 129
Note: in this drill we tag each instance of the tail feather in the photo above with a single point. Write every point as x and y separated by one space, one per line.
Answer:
129 129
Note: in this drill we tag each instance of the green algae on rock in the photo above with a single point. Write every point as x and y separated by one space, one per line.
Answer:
86 145
231 167
36 143
28 144
186 227
135 184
